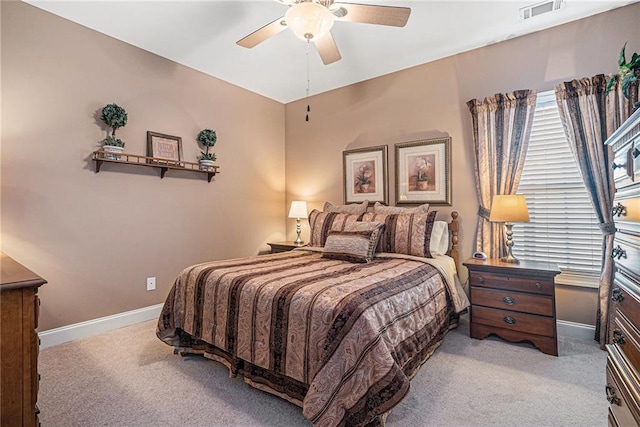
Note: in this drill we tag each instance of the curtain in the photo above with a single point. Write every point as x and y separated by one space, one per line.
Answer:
501 130
589 117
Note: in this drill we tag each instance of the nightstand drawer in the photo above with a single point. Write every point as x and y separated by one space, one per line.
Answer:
511 320
512 283
503 299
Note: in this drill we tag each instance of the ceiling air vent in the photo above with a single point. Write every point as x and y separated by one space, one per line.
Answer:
540 8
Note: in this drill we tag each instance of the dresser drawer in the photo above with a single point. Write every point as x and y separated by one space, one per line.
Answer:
626 338
492 280
626 253
512 320
617 402
623 166
625 300
623 390
515 301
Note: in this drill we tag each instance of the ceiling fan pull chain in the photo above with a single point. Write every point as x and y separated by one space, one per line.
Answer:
308 107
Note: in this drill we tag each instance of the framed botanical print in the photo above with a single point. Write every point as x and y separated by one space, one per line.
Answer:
423 172
365 175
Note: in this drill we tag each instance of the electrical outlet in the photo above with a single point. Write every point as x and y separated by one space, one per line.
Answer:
151 283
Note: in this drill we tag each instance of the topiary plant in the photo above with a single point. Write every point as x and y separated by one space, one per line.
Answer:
115 117
113 141
208 138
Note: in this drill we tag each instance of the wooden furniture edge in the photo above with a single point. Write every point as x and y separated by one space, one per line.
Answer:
454 228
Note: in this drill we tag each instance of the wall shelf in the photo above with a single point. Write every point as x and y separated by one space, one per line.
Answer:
164 165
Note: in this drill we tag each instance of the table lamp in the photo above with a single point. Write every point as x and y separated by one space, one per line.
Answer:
298 210
509 209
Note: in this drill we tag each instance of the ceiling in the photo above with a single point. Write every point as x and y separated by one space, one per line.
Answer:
203 34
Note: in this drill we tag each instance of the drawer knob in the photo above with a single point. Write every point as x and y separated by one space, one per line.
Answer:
611 395
616 166
481 279
618 253
616 295
619 210
618 338
508 300
538 285
509 320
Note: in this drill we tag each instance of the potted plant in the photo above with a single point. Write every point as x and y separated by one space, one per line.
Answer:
629 72
423 170
363 179
115 117
207 138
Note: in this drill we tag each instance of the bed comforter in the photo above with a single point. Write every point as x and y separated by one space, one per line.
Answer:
339 339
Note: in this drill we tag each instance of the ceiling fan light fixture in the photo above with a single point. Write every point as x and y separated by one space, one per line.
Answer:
309 20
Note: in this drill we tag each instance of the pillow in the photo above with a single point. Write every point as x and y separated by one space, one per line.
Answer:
321 223
439 244
408 234
355 209
356 243
379 208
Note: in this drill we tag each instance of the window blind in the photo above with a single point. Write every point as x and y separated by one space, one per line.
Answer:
563 227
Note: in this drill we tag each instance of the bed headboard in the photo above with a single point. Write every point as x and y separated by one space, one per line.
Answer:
454 226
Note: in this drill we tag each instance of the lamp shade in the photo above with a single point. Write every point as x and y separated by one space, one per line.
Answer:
309 20
509 208
298 209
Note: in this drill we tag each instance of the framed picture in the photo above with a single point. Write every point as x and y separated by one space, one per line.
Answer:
164 148
365 175
423 172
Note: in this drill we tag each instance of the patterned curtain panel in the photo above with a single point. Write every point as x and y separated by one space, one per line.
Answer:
589 117
501 130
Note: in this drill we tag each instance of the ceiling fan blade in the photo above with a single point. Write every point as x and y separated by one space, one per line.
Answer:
371 14
328 49
258 36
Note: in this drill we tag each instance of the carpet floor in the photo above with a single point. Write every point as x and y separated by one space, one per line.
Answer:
127 377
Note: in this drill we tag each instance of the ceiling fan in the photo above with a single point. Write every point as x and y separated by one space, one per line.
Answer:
312 20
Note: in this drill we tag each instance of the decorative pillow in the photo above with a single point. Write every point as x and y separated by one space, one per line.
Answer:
321 223
439 244
408 234
355 209
356 243
379 208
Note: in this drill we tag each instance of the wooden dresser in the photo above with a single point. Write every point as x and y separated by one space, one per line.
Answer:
19 309
623 348
514 301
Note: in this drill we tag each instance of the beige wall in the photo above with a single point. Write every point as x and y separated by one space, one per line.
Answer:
429 101
97 237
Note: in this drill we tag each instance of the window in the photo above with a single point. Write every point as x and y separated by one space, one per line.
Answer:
563 227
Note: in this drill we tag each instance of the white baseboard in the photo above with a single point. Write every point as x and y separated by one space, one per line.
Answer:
576 330
93 327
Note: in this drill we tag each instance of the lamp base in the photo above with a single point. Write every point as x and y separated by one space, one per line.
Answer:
298 241
509 258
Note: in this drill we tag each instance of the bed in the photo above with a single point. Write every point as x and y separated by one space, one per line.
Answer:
339 327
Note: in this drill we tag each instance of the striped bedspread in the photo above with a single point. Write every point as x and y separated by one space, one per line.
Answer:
339 339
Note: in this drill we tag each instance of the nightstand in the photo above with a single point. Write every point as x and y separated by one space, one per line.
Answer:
514 301
284 246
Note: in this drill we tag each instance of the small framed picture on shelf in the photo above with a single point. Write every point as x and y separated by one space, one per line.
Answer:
423 172
164 148
365 175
